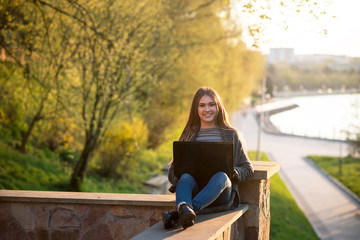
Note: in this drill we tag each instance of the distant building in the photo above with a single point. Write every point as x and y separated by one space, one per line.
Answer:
281 56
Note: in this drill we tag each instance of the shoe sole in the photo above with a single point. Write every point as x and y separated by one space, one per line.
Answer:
185 226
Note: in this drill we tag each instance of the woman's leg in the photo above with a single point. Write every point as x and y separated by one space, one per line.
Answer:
185 189
184 192
218 186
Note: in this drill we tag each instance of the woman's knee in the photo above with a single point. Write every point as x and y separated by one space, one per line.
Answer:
187 177
223 177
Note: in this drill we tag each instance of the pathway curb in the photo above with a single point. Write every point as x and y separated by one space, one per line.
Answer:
334 181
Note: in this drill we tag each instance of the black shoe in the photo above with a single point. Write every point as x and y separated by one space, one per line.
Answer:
186 216
169 219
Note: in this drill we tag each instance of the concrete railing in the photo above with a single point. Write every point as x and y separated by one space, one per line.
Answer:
69 215
214 226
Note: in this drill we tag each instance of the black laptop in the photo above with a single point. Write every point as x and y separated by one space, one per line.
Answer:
203 159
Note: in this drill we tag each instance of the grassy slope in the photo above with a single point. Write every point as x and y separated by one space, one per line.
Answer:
42 170
287 220
350 176
38 171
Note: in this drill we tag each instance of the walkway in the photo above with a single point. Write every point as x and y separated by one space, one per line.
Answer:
333 214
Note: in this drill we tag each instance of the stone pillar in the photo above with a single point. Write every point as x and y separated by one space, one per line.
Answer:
256 193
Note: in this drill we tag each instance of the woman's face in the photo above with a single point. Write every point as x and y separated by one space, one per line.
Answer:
207 111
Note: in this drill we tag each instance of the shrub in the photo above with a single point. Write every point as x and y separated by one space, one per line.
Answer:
116 155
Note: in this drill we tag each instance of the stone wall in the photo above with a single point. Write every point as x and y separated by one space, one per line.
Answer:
74 221
75 216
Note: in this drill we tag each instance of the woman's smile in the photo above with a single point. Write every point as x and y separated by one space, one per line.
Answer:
208 115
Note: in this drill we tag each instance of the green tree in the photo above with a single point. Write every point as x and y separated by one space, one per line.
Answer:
115 60
87 63
212 54
38 47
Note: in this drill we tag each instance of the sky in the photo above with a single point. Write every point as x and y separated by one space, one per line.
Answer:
306 34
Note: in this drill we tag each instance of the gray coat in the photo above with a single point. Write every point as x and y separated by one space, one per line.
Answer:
242 165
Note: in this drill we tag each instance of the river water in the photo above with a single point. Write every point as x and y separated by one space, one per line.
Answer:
324 116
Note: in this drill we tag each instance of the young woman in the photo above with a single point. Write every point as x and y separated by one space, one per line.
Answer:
208 121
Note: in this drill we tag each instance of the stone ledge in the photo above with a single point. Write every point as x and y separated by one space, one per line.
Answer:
79 215
87 198
264 170
207 226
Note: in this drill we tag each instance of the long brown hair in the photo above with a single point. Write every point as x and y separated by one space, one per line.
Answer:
193 124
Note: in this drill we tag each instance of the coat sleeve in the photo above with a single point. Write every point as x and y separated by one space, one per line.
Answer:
172 178
244 169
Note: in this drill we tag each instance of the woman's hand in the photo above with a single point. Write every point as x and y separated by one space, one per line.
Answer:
172 189
235 175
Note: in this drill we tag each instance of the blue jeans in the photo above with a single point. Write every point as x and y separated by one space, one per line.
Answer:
216 192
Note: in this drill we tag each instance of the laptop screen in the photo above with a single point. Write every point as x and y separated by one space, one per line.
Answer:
203 159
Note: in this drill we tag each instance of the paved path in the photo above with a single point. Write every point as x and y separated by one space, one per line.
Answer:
333 214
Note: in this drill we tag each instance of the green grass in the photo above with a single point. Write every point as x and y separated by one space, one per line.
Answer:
350 173
42 170
287 219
